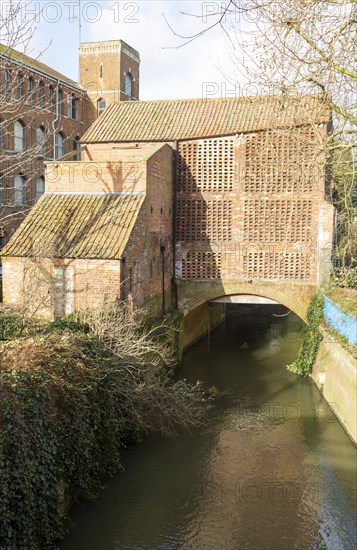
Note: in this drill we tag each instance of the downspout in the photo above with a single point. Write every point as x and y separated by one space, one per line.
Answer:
122 281
162 253
55 120
174 220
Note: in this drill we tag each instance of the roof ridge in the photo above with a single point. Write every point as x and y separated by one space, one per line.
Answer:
237 98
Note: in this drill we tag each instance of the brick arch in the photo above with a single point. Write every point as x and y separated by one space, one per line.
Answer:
293 296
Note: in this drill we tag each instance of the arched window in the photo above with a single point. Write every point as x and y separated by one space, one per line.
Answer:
101 70
128 84
59 145
20 86
30 91
19 136
74 107
60 101
8 83
41 94
20 185
101 105
40 187
76 147
41 141
51 98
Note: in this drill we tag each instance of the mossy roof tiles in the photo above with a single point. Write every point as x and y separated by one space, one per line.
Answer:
92 226
168 120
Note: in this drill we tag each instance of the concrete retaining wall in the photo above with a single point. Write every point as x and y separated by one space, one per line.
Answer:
342 321
335 374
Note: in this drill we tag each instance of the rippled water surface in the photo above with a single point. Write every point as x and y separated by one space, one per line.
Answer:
271 469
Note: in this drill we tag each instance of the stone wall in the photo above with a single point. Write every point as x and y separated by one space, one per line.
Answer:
335 374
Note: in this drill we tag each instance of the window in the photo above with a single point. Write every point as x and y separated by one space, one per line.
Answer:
63 291
41 141
74 107
60 101
59 145
101 105
101 70
128 84
41 94
51 98
76 146
19 136
20 183
30 91
20 86
40 187
7 83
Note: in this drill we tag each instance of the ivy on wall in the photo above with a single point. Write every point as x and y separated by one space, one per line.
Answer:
311 338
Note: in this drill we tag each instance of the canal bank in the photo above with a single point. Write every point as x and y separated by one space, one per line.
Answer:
335 375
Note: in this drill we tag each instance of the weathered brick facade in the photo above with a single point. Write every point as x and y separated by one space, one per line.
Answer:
142 270
245 212
41 99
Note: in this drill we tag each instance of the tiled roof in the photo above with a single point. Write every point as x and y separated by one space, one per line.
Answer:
167 120
23 59
71 225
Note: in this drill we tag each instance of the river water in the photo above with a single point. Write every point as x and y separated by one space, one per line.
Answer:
271 468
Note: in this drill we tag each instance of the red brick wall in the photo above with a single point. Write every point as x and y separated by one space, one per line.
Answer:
153 228
102 72
29 163
95 282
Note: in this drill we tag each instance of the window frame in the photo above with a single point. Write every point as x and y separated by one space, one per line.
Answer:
19 139
30 91
19 86
20 191
41 141
40 193
101 105
41 94
128 84
8 82
59 145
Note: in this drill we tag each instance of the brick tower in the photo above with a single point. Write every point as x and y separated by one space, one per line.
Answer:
109 71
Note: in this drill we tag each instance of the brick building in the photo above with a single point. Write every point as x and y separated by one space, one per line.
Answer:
235 191
44 114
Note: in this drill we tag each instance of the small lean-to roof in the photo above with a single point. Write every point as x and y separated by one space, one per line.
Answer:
23 59
168 120
77 225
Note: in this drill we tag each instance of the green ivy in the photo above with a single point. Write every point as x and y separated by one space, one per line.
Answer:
10 326
311 338
60 434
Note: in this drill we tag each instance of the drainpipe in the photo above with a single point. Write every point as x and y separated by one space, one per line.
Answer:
162 252
122 280
55 120
174 218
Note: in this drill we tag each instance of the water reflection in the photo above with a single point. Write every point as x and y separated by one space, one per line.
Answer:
271 469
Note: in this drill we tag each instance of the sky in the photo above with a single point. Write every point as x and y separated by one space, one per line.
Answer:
169 68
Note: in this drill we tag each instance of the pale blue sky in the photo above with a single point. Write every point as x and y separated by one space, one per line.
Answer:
166 71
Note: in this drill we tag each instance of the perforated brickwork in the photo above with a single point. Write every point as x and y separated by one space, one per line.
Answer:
201 265
200 220
281 162
206 165
278 220
277 265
